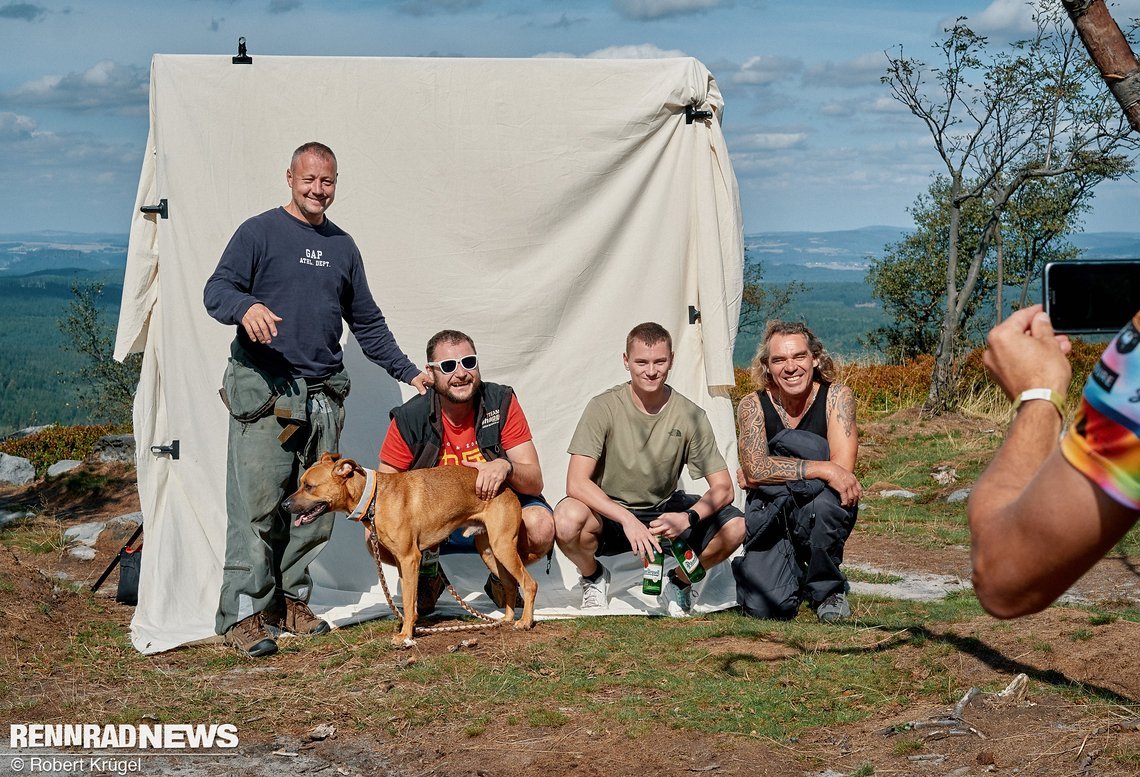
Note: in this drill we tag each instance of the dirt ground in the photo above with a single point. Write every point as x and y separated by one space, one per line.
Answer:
1039 733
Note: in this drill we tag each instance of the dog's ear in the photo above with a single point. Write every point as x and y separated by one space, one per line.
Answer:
329 456
343 468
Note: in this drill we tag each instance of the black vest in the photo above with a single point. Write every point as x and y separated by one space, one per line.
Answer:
814 420
421 426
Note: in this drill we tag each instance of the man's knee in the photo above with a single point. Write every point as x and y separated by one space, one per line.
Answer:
539 525
570 520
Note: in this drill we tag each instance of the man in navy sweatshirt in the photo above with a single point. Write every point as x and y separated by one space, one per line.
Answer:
286 280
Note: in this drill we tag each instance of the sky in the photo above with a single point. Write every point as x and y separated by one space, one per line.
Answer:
816 141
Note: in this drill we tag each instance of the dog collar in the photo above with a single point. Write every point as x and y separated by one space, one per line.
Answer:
366 497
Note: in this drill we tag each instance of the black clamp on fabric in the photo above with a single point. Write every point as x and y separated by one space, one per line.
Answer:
242 58
692 114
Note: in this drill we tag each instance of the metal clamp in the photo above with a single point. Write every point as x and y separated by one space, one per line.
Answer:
161 209
692 114
242 58
171 450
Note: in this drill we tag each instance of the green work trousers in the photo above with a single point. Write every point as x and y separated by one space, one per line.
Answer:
267 557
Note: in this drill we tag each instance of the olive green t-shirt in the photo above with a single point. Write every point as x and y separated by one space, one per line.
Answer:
640 455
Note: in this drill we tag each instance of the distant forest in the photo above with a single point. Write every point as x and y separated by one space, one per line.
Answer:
32 352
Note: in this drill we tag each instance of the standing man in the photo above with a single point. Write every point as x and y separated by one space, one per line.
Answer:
286 280
625 458
1044 512
798 444
479 425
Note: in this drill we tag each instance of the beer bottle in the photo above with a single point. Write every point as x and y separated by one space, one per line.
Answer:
651 578
429 562
688 560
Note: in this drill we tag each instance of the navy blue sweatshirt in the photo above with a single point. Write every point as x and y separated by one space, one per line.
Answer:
311 278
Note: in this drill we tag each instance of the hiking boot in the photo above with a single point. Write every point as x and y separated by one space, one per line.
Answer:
596 593
675 599
296 618
498 592
431 583
833 609
249 636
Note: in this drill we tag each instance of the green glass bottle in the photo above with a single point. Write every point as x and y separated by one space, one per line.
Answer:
651 578
429 563
688 560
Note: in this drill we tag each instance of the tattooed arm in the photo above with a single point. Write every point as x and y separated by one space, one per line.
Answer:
843 440
757 467
842 434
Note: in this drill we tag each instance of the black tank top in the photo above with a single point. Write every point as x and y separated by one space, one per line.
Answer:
814 420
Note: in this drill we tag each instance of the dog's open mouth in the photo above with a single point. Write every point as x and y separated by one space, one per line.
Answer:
312 514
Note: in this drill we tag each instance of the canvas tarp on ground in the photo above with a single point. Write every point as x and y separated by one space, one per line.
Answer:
542 206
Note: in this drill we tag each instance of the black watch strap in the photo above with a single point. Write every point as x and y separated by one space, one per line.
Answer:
694 518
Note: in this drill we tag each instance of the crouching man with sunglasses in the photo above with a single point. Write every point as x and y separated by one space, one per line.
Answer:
465 421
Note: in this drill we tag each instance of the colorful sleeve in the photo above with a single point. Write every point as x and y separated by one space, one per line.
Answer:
395 452
1103 442
516 430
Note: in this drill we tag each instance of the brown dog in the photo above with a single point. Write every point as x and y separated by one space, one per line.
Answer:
416 510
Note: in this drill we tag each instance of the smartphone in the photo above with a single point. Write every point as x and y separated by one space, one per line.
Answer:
1091 296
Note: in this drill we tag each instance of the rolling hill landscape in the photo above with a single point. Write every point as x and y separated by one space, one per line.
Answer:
37 271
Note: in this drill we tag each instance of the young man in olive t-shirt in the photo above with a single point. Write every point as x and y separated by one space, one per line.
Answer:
625 458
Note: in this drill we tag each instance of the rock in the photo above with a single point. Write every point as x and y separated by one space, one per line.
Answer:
85 533
115 448
944 474
82 552
11 516
88 533
16 471
961 495
60 467
898 493
29 431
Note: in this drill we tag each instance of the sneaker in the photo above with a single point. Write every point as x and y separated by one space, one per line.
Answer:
596 594
295 617
432 582
250 637
833 609
498 592
676 600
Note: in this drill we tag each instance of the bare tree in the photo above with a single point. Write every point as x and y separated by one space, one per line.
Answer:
1034 111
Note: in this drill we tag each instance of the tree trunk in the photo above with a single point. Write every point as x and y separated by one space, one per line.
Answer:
1110 52
1000 276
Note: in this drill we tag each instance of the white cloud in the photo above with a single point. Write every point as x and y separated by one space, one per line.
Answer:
14 127
635 51
769 141
657 9
628 51
1004 18
864 70
106 86
765 70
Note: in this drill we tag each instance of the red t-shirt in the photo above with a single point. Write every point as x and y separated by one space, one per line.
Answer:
458 441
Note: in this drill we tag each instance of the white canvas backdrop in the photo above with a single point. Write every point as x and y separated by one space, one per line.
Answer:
542 206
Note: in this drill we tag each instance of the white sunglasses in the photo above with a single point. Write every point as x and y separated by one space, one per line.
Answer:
448 366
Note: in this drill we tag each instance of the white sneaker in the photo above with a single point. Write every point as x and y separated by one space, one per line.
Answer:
596 594
676 601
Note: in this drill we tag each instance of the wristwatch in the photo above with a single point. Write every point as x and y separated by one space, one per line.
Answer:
694 518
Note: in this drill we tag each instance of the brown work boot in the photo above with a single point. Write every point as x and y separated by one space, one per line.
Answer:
498 592
249 636
296 618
